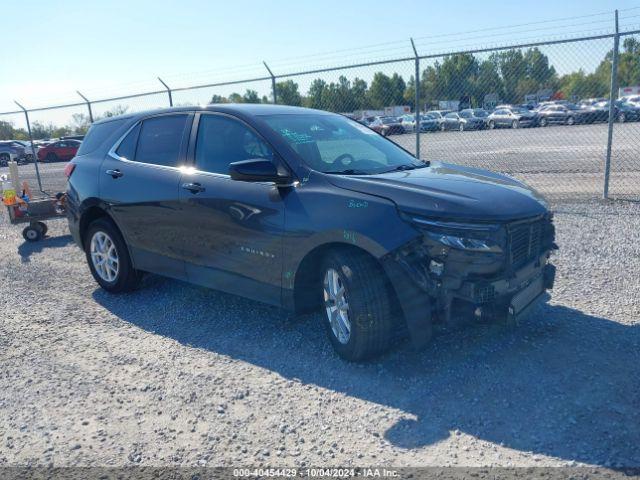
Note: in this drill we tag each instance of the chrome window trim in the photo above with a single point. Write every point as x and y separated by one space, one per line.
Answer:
112 151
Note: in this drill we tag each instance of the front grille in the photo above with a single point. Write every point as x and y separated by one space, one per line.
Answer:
528 240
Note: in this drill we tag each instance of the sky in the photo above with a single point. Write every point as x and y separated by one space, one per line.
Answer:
113 47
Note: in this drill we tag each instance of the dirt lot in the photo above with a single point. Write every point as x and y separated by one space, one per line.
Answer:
178 375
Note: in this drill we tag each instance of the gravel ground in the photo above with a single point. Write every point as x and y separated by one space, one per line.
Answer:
174 374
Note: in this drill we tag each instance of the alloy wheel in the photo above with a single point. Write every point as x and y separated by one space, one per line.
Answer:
336 306
104 256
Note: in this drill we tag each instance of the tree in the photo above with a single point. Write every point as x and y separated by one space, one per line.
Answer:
80 123
386 91
218 99
6 130
287 93
115 111
236 98
250 96
317 95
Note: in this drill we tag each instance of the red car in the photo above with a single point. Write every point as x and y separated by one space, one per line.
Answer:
60 150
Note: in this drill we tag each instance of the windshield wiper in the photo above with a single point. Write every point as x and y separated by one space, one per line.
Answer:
349 171
401 168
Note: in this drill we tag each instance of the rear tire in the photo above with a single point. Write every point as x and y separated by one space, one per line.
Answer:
571 121
461 127
544 122
369 313
4 160
121 278
622 117
442 127
515 124
492 124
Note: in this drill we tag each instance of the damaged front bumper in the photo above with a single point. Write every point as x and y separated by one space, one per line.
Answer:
436 283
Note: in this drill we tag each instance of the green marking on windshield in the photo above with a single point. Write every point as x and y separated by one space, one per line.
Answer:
296 138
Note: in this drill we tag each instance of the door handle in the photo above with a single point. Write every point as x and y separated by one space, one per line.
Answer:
114 173
193 187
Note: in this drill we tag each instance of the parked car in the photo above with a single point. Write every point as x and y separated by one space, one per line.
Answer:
461 121
387 126
439 116
547 103
30 153
512 117
11 151
588 102
429 122
568 114
480 113
60 150
623 111
408 121
73 137
596 112
307 210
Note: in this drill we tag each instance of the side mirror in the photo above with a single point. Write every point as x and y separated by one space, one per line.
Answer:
257 170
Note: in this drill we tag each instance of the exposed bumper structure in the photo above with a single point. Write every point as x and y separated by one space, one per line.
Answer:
435 283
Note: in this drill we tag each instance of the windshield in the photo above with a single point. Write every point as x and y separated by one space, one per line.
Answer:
481 113
335 144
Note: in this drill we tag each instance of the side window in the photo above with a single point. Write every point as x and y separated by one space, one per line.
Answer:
160 139
127 148
222 140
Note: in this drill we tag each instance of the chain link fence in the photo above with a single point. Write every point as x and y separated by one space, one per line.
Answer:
537 111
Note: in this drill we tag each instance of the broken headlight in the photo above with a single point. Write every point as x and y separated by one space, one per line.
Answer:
473 237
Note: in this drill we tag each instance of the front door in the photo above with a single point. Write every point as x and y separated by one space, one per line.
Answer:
234 239
140 180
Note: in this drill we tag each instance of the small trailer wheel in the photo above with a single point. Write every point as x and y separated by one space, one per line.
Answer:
43 228
32 233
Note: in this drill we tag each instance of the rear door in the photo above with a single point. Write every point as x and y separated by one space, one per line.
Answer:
234 228
140 180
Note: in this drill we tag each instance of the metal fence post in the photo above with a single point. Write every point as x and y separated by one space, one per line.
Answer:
88 105
613 95
33 148
417 98
168 91
273 83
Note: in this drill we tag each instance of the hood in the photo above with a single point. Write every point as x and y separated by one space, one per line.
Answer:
450 192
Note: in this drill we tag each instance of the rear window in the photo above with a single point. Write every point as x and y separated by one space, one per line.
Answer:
159 140
98 134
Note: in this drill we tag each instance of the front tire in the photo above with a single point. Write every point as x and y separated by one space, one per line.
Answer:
4 159
544 122
571 121
357 305
622 117
108 258
492 124
515 124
